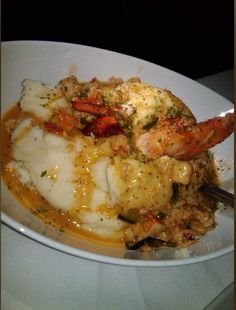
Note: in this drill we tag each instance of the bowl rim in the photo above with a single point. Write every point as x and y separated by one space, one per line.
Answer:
66 249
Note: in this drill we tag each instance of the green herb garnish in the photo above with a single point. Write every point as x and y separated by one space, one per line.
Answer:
43 173
150 124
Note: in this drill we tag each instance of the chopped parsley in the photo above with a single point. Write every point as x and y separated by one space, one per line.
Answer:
151 124
44 105
43 173
173 112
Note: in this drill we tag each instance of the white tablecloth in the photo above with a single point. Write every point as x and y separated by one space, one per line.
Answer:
36 277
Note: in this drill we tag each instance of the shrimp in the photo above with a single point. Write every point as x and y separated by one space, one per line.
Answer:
171 137
103 126
61 122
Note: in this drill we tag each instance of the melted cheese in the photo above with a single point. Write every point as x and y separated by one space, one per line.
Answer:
141 185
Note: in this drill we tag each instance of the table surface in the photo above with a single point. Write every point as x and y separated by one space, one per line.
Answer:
35 276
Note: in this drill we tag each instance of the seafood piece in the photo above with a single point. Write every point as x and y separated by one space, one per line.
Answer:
103 126
171 137
54 128
90 105
60 122
120 145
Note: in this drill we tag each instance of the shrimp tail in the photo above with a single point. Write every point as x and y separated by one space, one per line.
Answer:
210 133
175 140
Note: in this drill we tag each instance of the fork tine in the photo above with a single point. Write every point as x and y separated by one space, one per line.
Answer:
218 194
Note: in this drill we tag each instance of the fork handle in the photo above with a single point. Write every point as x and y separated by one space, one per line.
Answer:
218 194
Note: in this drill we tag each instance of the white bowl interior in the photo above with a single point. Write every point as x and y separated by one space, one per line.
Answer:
50 62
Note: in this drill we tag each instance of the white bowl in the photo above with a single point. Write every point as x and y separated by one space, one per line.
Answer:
52 61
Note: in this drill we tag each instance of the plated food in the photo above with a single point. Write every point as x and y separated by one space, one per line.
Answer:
119 162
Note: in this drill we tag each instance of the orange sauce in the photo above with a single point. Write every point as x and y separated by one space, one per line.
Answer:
32 200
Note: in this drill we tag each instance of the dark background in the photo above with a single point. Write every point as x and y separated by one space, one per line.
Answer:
194 38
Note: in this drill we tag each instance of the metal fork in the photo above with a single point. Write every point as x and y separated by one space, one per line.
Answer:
218 194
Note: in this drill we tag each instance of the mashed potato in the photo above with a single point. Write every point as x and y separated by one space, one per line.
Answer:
74 145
